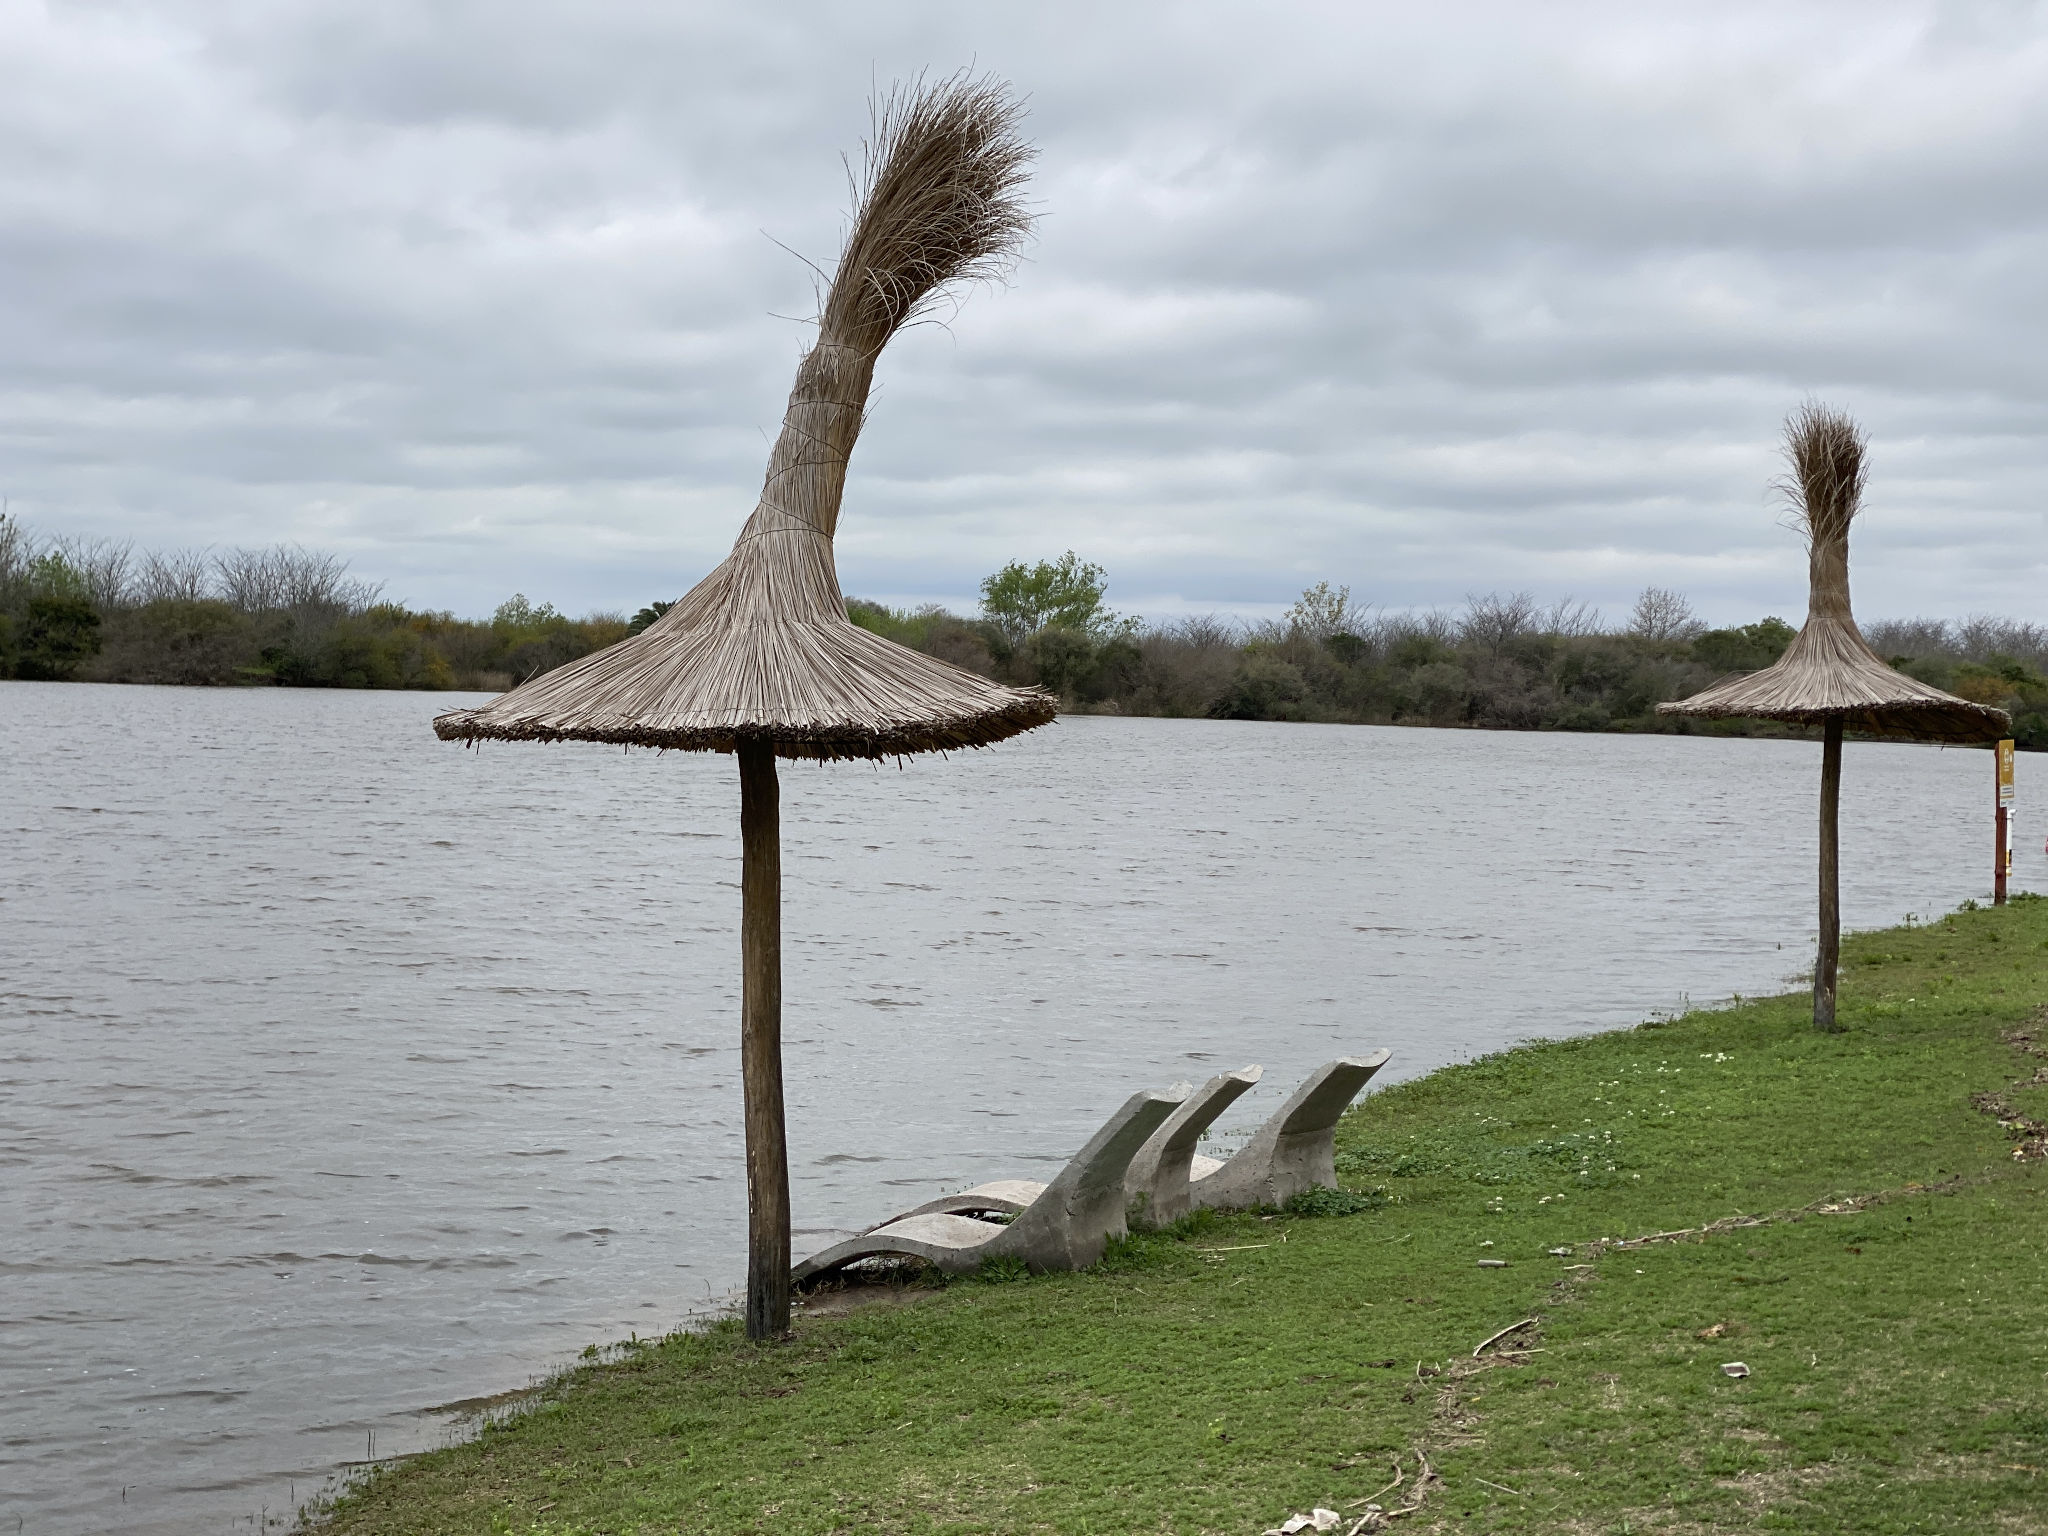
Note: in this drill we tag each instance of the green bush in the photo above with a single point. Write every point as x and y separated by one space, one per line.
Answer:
180 641
1321 1200
61 634
1747 649
1263 688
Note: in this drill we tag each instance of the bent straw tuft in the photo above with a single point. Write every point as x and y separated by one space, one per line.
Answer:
1829 670
761 649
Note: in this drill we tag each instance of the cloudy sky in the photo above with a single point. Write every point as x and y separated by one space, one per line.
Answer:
491 295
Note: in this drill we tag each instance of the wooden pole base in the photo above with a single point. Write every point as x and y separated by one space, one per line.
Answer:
2001 857
761 1044
1827 960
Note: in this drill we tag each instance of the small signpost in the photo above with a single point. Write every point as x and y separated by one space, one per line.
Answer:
2002 859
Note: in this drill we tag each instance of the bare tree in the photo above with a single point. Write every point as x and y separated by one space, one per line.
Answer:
1495 621
1980 637
290 578
1205 631
104 565
1390 629
1187 664
1662 615
1572 619
1913 638
248 580
182 575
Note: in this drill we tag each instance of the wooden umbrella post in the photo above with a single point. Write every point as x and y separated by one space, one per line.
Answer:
1829 669
761 1043
1828 957
760 657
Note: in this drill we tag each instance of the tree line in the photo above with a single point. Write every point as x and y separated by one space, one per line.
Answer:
95 610
1502 661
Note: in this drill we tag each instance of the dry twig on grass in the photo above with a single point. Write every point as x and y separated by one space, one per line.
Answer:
1495 1338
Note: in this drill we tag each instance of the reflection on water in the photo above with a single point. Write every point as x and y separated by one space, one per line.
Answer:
344 1073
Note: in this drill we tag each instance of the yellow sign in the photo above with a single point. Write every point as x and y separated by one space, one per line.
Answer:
2005 773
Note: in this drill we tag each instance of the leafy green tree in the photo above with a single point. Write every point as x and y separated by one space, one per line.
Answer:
518 615
1064 658
647 616
1747 649
1322 612
1020 600
2013 686
61 633
62 628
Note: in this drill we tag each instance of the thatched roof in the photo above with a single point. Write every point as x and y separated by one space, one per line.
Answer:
762 647
1829 670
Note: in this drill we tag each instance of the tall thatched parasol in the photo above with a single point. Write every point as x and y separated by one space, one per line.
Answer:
1829 676
759 659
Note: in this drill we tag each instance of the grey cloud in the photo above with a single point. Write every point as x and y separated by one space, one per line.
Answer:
1421 300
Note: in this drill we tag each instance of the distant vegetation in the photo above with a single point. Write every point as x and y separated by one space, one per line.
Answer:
1502 661
94 610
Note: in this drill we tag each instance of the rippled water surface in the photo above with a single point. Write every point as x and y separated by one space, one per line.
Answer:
345 1074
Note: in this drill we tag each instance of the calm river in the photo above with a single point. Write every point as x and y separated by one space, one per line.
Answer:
345 1074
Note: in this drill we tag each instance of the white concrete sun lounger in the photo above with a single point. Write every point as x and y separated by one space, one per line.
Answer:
1162 1161
1157 1184
1066 1226
1294 1150
999 1197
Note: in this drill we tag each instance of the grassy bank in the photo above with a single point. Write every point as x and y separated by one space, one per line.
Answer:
1846 1215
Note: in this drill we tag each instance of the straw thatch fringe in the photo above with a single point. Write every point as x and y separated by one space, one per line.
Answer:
1829 671
762 648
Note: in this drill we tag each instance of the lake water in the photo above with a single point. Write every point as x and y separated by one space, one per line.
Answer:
345 1074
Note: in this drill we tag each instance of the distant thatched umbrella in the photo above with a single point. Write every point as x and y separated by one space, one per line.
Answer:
759 659
1829 676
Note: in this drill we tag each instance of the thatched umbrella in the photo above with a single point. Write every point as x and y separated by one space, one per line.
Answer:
759 659
1829 676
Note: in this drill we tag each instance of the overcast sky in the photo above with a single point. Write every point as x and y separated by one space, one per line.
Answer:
1423 299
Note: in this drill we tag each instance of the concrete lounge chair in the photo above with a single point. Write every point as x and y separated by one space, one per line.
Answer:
999 1197
1294 1150
1065 1227
1157 1184
1161 1165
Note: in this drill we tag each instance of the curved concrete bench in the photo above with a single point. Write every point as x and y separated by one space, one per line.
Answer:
999 1197
1156 1186
1294 1150
1065 1227
1006 1198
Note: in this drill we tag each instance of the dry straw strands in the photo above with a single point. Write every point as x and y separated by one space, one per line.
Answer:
761 649
1829 671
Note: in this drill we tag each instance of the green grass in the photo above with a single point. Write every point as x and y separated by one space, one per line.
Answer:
1893 1313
